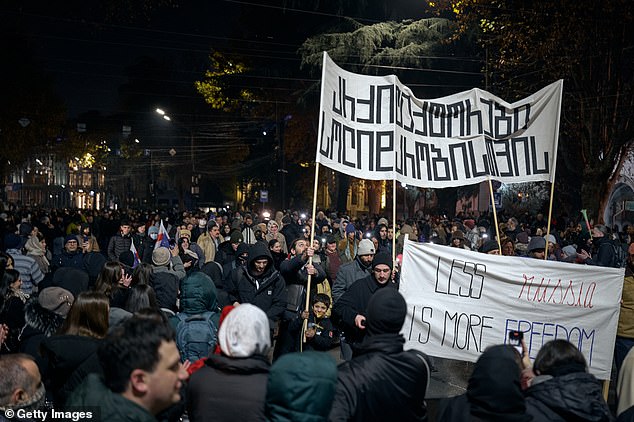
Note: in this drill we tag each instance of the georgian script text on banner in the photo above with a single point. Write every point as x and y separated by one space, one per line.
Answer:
374 128
461 302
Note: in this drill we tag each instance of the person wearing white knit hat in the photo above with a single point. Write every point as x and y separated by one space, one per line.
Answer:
232 385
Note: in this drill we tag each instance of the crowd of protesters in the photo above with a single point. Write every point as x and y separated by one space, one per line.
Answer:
218 312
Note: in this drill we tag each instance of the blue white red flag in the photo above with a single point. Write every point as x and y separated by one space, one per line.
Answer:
137 260
163 238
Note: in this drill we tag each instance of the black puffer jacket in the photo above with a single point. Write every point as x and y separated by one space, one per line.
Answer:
383 383
70 359
227 389
267 291
571 397
165 285
118 244
354 302
493 392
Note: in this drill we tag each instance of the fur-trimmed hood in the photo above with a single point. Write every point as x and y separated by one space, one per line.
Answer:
42 319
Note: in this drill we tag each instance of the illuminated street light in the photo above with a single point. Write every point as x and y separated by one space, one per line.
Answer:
160 111
137 141
166 117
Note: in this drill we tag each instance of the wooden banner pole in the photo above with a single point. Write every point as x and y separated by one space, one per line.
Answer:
393 221
310 259
495 218
550 216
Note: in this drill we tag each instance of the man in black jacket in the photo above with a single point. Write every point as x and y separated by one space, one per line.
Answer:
349 310
120 242
296 268
295 271
605 255
260 284
383 382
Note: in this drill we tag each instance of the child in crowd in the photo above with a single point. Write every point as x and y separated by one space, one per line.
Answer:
320 334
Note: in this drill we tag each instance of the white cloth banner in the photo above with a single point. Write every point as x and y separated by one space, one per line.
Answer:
460 302
374 128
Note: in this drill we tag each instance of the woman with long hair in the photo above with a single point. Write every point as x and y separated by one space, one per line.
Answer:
189 257
12 304
142 275
141 296
72 353
275 247
561 371
225 231
88 240
113 282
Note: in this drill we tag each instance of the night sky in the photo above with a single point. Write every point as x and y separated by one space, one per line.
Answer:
88 54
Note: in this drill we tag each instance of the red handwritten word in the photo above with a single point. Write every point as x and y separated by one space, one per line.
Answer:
558 293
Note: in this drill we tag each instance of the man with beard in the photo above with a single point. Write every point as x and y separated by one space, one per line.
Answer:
295 271
260 284
210 240
21 388
355 270
296 268
349 310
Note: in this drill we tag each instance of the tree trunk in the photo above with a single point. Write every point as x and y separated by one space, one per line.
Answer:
343 185
374 196
604 198
411 197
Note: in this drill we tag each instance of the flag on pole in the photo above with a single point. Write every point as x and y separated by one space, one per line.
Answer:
137 260
163 238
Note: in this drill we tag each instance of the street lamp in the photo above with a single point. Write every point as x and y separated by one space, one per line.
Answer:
194 180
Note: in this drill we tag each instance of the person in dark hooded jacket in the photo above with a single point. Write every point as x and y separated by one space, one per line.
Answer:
198 297
231 386
349 311
260 284
301 387
562 389
241 257
383 382
493 392
605 247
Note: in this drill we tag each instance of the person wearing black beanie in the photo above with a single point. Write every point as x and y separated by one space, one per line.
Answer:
349 311
385 313
394 381
382 258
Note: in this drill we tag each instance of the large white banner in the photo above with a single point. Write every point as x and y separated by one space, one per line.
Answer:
460 302
374 128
